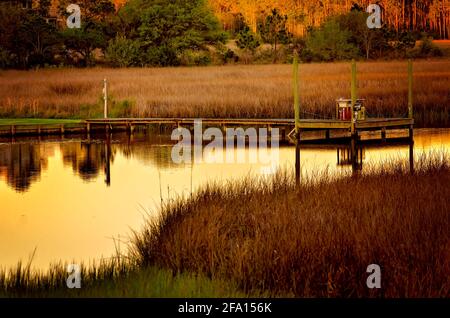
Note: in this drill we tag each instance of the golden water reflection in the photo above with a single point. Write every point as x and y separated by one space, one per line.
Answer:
69 198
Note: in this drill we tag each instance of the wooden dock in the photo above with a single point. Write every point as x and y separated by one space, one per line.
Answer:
286 126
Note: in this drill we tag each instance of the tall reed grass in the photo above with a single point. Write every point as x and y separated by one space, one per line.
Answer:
229 91
267 237
316 240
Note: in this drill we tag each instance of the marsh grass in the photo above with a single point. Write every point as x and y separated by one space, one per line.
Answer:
316 240
265 237
256 91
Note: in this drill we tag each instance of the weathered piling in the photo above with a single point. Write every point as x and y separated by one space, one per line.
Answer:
354 97
297 119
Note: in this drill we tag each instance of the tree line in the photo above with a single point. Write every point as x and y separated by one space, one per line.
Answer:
432 16
190 32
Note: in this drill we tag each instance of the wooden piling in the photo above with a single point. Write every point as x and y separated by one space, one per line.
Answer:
105 98
296 94
410 89
297 120
283 134
354 96
297 159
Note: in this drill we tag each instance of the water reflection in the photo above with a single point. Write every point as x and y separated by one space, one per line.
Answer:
69 197
345 157
22 163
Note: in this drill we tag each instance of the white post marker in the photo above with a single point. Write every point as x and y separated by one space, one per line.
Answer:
105 97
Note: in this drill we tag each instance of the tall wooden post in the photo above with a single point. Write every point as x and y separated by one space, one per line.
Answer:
105 98
410 89
354 96
296 94
297 119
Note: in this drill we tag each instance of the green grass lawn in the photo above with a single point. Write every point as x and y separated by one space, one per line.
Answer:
36 121
149 283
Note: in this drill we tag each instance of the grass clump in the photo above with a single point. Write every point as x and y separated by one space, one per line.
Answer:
113 279
316 240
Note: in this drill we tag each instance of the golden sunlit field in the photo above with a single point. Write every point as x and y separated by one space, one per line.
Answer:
229 91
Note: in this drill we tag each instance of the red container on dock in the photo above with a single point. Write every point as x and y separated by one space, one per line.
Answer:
345 113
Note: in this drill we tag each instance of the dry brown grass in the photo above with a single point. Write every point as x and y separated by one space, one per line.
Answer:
316 241
230 91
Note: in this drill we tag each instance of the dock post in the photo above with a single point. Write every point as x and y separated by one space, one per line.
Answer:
39 130
297 120
354 96
354 156
88 128
62 129
411 133
105 98
13 130
297 159
283 134
383 133
410 89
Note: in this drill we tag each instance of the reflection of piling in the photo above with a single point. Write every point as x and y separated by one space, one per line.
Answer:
411 156
108 160
297 160
352 155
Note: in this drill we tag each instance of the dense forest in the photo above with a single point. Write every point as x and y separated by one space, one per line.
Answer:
414 15
124 33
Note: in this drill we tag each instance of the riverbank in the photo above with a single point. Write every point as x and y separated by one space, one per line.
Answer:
253 91
266 235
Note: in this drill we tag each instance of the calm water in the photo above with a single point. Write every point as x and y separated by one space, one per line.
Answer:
70 198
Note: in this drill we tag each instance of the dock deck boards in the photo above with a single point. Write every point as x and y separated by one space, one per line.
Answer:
304 123
286 125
